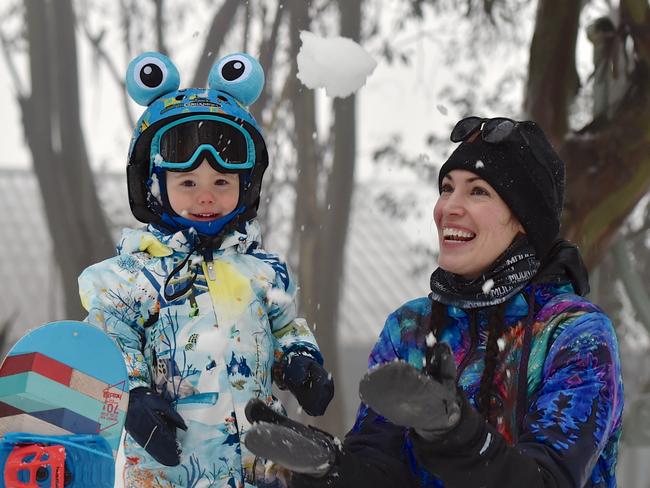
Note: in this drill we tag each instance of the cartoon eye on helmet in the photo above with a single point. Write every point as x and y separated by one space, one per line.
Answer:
151 75
182 128
240 75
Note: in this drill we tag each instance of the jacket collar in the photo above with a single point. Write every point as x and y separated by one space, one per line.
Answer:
563 263
157 243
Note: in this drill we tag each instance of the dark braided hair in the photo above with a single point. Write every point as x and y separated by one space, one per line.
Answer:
495 328
437 322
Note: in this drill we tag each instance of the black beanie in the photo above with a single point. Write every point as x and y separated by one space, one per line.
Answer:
525 171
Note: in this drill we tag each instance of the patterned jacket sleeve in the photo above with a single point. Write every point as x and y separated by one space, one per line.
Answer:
292 333
567 426
116 303
373 453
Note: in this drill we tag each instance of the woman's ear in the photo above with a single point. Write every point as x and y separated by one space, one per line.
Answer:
517 225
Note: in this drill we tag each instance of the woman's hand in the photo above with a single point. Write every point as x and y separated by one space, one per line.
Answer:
299 448
427 402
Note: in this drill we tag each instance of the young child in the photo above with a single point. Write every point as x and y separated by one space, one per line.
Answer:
205 318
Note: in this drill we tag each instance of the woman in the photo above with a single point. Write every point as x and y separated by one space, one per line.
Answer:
504 376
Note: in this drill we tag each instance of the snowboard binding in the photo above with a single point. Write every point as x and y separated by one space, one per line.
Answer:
67 461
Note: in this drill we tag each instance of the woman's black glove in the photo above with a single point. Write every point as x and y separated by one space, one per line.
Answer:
427 402
310 383
297 447
152 422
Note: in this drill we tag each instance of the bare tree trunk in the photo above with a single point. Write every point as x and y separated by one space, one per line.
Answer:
633 283
51 118
221 25
608 161
307 211
160 26
320 227
333 234
552 72
316 279
247 26
267 57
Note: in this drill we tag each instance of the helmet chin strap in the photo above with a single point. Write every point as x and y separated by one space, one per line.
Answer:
210 229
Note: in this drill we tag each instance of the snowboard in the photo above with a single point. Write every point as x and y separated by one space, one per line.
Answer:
63 402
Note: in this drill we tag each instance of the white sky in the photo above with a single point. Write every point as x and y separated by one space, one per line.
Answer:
107 135
395 98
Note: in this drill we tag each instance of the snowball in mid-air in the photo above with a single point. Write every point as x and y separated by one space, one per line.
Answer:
337 64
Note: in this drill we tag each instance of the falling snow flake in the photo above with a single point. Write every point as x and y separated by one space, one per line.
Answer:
275 295
487 286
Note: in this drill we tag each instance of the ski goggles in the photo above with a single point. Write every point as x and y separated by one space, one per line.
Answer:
178 145
494 130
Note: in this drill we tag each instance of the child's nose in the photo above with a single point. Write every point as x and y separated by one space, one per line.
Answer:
207 197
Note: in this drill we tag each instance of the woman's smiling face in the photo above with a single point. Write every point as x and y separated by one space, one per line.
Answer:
475 226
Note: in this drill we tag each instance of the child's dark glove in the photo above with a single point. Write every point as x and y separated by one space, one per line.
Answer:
152 422
310 383
297 447
427 402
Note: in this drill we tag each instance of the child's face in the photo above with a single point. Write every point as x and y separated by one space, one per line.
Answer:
202 194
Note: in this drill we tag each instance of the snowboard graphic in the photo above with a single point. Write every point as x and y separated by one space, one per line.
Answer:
63 402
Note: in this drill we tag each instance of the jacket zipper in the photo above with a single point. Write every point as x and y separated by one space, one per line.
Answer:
208 257
211 274
473 330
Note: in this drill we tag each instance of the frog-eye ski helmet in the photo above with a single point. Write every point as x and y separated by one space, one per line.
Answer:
181 128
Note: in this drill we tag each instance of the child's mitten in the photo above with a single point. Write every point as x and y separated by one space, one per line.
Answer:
310 383
152 422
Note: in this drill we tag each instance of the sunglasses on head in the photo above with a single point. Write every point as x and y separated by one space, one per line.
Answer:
494 130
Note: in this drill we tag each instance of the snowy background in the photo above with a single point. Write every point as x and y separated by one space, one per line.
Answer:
415 74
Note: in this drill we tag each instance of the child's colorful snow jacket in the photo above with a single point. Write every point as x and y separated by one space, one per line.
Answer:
209 350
